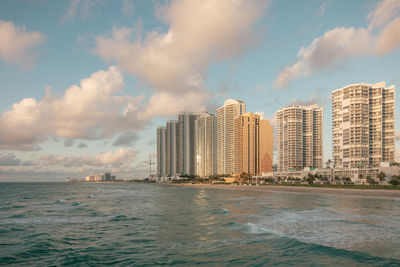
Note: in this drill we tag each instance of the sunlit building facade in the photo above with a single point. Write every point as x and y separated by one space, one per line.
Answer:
226 150
363 124
206 145
299 137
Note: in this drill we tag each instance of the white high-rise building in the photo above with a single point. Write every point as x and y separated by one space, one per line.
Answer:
226 150
171 147
161 151
206 144
186 143
299 137
363 124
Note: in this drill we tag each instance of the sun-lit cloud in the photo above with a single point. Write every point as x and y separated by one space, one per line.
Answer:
175 62
337 46
94 109
17 45
109 159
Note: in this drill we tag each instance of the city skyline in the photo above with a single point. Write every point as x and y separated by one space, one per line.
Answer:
83 92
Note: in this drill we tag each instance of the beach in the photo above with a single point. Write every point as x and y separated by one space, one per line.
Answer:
303 189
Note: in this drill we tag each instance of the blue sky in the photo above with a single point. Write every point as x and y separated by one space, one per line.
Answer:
141 62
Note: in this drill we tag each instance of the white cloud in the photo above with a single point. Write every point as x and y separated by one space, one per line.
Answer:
341 44
117 158
174 63
93 110
17 45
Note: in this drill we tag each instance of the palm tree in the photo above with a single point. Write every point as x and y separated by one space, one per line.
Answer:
381 176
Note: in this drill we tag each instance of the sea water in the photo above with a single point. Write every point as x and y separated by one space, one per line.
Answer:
143 225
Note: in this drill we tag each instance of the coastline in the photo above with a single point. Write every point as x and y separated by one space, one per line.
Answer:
303 189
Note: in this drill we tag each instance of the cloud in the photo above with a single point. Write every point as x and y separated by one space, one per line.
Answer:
315 98
384 12
117 158
11 159
174 63
167 104
127 7
82 145
126 139
94 109
337 46
17 46
68 142
322 9
83 6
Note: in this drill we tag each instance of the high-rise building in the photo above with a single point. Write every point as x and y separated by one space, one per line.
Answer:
206 144
363 123
254 144
299 137
186 144
247 131
266 146
161 151
226 154
171 147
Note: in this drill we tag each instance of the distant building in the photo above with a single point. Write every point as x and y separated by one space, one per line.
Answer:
161 151
206 144
226 150
171 145
186 143
363 124
299 137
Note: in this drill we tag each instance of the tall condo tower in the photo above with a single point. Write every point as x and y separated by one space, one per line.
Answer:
363 123
299 137
226 135
206 144
186 152
161 151
171 147
254 144
266 146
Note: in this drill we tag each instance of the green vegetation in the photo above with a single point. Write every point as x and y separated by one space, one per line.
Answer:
345 186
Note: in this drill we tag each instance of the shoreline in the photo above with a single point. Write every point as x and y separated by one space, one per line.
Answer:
302 189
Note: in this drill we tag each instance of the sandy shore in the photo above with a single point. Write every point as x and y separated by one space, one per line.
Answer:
301 189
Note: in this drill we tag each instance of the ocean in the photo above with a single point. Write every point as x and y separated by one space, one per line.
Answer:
94 224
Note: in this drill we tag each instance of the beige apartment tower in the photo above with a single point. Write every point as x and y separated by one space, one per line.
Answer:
299 137
226 150
363 124
206 144
254 144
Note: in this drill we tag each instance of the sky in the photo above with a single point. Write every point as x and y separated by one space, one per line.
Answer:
85 83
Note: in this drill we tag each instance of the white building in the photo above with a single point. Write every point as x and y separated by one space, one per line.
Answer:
363 123
206 145
171 147
186 143
226 151
161 151
299 137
